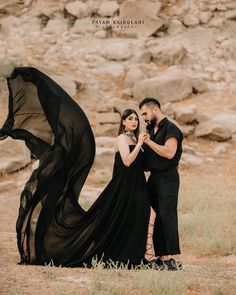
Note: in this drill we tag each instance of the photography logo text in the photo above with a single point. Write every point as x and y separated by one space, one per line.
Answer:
117 23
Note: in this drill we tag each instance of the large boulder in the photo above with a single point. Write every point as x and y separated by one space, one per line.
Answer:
133 75
205 16
105 150
227 120
9 23
216 22
14 155
191 156
175 27
45 7
106 118
213 131
101 34
186 114
203 117
143 18
119 105
104 158
198 85
116 51
105 124
66 83
5 3
7 66
82 26
106 129
190 160
168 54
56 27
187 130
78 9
114 70
227 49
105 141
220 149
171 85
105 107
27 2
230 14
168 109
190 20
108 8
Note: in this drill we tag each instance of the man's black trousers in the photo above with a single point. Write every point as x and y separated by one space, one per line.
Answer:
163 187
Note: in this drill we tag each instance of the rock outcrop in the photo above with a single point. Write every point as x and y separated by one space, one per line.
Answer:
108 55
14 155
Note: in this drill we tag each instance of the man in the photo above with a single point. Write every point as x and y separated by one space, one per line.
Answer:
162 154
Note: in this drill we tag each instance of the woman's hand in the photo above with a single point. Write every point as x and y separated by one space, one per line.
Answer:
141 137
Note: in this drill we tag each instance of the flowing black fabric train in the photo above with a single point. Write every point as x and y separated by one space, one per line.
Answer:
51 224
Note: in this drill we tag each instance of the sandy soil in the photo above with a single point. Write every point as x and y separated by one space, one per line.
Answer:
17 279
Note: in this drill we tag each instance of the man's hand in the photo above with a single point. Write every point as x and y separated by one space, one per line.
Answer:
147 138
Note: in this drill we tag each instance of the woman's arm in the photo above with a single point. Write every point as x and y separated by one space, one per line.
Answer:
123 147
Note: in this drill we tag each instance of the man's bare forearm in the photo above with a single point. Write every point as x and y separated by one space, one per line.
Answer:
167 151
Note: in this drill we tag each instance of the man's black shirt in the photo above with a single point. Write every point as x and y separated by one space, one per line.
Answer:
153 161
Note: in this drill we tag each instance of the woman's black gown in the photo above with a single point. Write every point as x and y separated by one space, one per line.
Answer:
51 225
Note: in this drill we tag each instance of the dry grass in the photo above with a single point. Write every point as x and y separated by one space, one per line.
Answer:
147 281
207 216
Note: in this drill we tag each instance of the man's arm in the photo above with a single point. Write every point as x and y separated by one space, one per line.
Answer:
167 150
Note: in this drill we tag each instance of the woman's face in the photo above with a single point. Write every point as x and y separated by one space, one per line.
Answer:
131 122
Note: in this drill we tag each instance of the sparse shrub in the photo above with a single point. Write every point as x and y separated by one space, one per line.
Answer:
50 271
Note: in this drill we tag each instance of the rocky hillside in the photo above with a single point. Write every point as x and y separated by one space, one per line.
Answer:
109 55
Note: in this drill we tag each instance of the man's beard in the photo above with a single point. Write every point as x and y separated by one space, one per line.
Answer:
153 120
152 123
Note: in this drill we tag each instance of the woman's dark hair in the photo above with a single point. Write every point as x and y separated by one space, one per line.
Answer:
124 116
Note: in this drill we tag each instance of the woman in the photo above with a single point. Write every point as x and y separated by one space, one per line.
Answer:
128 145
51 225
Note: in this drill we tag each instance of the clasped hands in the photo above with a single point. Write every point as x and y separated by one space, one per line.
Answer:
144 137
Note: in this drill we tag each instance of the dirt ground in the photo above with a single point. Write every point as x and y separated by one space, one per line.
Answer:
17 279
213 274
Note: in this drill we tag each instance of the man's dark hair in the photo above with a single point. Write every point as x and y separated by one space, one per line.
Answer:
148 101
